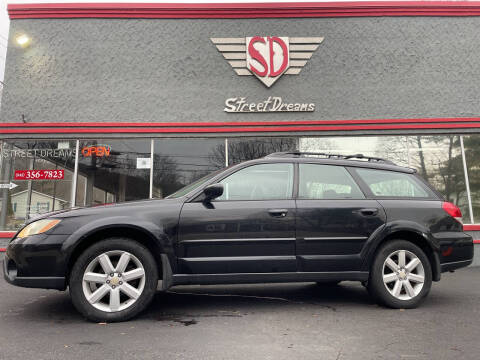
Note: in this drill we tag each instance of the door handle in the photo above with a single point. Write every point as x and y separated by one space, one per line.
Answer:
369 212
278 212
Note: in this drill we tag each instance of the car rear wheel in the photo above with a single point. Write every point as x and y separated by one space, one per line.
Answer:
113 280
401 275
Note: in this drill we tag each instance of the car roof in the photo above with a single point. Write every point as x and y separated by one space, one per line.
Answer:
357 160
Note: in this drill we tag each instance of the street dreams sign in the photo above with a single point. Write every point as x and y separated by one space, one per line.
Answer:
272 104
267 57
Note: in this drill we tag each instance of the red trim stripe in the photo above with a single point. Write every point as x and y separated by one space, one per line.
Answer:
7 234
241 127
246 123
245 10
476 241
471 227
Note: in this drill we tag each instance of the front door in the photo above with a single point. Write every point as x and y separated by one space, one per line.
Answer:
334 219
249 229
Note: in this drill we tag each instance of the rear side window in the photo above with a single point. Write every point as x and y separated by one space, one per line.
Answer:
327 182
393 184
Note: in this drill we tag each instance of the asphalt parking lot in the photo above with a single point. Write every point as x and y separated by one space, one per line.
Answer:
267 321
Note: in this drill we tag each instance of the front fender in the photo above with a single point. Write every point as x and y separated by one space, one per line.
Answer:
155 232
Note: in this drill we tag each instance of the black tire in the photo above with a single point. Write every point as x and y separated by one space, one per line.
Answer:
378 290
123 244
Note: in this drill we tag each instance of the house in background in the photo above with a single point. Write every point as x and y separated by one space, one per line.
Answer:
40 203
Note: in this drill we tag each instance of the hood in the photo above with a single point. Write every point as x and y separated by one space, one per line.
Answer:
97 209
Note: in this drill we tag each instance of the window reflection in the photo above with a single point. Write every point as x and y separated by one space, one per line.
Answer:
243 149
437 159
472 155
41 172
114 170
180 162
109 171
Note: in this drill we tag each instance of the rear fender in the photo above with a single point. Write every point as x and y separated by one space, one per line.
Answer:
407 230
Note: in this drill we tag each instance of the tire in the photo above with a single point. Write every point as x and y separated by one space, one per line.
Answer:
394 292
118 302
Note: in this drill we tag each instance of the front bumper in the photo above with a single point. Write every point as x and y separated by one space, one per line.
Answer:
36 262
10 275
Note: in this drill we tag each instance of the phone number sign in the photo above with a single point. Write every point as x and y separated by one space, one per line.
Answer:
39 174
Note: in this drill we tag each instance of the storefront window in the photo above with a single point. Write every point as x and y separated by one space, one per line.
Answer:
37 176
179 162
113 171
438 159
472 156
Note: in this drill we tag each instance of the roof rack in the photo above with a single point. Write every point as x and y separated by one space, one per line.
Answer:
297 153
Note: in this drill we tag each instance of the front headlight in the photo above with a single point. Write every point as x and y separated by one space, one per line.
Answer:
37 227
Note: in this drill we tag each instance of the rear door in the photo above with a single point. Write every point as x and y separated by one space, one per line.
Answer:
334 219
249 229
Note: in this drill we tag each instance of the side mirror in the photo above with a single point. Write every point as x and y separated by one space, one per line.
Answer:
212 192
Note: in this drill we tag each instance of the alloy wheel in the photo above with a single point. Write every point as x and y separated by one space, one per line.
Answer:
113 281
403 274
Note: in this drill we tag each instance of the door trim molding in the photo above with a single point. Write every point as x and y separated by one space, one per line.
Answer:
239 258
335 238
234 240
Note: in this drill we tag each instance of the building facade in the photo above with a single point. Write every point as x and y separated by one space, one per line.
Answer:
115 102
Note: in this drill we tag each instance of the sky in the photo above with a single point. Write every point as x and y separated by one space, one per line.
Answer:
4 21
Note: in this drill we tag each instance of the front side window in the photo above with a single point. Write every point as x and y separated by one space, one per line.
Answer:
327 182
259 182
393 184
185 190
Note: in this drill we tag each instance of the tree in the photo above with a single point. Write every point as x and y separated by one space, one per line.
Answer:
167 178
249 149
437 159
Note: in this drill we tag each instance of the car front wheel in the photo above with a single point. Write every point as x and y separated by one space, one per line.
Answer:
113 280
401 275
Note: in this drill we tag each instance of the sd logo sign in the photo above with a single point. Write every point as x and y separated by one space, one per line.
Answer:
267 57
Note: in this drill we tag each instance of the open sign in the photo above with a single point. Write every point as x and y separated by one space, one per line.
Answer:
97 150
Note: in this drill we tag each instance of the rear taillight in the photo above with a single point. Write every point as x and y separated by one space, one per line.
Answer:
453 211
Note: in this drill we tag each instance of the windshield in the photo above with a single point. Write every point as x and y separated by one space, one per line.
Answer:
185 190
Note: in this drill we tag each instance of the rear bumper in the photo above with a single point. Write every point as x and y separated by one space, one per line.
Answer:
455 265
456 252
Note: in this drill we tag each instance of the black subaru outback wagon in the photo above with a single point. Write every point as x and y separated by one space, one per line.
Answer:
286 217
